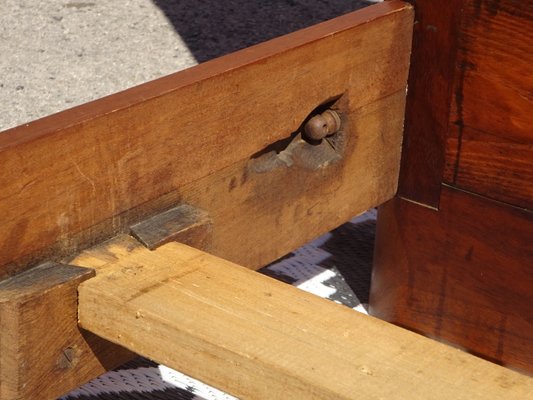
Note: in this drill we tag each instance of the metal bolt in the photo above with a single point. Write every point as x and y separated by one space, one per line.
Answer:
322 125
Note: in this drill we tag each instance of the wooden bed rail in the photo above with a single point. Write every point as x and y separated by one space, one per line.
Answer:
76 178
258 338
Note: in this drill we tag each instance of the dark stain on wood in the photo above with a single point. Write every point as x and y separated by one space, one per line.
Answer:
459 122
33 281
492 7
469 253
232 183
490 143
184 223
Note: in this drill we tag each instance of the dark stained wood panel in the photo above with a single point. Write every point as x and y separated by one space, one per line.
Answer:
429 96
462 274
495 167
490 145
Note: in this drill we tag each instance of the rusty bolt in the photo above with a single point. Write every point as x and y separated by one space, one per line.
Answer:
322 125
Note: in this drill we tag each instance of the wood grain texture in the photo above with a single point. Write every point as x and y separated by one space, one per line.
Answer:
259 338
78 177
259 217
490 145
428 102
42 350
462 274
257 211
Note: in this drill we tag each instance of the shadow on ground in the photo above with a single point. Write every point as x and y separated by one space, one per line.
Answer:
347 251
352 248
212 28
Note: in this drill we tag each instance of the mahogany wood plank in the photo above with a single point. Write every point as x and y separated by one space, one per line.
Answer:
428 102
490 147
493 166
461 274
258 338
75 178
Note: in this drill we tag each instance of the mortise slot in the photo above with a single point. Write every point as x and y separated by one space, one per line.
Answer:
299 150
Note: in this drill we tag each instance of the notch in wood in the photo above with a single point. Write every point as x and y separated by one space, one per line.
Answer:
43 353
184 223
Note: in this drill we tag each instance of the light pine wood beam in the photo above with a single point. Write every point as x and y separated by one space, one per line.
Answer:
258 338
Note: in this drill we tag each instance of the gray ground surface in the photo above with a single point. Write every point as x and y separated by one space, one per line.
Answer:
55 54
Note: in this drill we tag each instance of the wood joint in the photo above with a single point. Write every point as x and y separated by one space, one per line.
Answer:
320 141
184 223
41 345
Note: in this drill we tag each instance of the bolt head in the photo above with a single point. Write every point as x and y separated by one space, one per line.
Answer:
322 125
